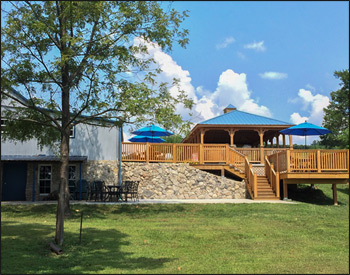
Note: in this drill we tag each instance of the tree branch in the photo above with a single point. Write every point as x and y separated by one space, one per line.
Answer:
39 19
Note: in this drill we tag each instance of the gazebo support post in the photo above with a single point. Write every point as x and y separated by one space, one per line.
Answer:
202 136
290 142
335 198
285 191
261 135
284 140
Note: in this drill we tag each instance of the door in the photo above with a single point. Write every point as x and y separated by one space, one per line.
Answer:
14 180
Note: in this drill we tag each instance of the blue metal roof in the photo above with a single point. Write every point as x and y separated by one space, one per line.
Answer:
236 117
39 158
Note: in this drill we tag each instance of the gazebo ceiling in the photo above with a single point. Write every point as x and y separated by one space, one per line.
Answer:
246 128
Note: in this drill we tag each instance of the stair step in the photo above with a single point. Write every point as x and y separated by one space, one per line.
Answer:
267 198
264 193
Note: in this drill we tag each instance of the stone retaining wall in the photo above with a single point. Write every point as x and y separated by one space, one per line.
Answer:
180 181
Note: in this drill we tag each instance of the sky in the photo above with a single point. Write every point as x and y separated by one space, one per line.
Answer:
274 59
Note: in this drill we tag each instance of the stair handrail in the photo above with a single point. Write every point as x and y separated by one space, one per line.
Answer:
236 159
272 176
251 178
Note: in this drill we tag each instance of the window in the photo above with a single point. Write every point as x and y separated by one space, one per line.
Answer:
45 177
72 132
72 172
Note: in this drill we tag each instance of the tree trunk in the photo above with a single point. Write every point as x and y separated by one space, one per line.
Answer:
62 198
63 208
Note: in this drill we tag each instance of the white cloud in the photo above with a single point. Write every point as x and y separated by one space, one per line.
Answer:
296 118
226 43
257 46
313 105
273 75
232 88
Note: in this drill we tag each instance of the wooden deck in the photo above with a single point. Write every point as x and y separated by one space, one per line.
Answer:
290 166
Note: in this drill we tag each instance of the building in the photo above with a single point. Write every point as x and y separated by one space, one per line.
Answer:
31 173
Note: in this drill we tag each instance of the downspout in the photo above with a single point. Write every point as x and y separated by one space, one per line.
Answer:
80 183
120 155
33 194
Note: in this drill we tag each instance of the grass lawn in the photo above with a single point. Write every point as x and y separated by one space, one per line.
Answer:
308 237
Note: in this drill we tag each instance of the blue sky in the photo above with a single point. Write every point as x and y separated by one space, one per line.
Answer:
275 59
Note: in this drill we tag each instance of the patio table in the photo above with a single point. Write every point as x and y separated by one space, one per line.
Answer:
114 193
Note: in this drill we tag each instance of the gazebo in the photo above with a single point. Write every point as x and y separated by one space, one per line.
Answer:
240 130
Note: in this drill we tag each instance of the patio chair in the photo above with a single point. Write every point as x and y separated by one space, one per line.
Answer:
134 190
84 189
100 191
126 189
130 190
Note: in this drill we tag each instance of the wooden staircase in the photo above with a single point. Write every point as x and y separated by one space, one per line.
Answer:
265 191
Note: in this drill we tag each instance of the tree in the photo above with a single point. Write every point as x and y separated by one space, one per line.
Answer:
173 139
336 116
74 58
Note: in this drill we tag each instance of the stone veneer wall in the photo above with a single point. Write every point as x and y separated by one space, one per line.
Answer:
106 170
157 180
180 181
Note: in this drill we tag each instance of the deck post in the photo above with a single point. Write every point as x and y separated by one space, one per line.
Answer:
284 140
201 154
222 172
255 186
335 199
227 154
290 142
285 191
278 184
271 173
174 153
147 152
288 161
318 161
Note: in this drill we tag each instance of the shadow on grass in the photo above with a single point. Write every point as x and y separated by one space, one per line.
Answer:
25 249
344 190
304 193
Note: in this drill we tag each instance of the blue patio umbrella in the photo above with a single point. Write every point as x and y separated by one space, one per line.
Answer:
305 129
151 131
146 139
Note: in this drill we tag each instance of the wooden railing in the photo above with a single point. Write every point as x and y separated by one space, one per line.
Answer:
310 161
236 159
253 154
214 153
273 176
257 154
284 161
251 178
